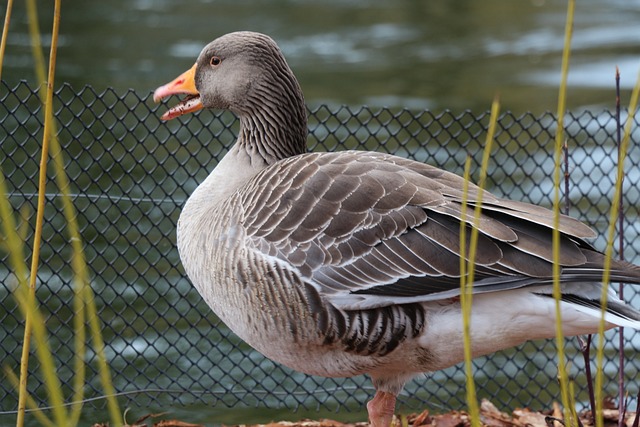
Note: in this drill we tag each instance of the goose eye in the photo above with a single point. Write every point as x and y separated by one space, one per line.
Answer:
215 60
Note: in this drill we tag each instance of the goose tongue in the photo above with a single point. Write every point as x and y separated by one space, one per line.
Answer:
184 84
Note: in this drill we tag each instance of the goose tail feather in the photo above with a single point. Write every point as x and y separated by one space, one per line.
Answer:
617 312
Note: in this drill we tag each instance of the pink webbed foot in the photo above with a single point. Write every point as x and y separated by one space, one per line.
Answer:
381 409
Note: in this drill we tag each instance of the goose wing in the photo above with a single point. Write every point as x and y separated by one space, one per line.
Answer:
369 230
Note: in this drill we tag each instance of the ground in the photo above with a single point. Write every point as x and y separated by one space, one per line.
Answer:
490 416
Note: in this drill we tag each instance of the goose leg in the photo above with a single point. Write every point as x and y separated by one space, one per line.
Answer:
381 409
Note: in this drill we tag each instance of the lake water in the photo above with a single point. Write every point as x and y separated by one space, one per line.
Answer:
418 54
414 54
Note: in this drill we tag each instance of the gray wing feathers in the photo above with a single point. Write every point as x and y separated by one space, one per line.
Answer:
376 224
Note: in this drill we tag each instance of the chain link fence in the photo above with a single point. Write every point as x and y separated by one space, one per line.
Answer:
130 174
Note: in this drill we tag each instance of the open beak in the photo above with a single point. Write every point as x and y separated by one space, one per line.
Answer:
184 84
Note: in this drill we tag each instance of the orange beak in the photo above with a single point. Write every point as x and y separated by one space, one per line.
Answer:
184 84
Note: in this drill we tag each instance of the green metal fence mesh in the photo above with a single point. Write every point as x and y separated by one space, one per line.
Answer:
130 174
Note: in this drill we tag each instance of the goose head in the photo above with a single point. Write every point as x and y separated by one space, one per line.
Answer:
234 72
245 72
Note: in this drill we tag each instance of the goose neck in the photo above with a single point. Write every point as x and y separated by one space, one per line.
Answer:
270 134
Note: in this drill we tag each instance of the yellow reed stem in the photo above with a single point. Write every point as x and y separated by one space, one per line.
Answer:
27 303
467 263
36 48
495 110
37 413
13 242
15 250
84 298
465 303
27 298
559 143
5 33
105 376
78 261
613 215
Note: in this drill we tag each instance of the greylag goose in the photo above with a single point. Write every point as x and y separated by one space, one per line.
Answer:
348 263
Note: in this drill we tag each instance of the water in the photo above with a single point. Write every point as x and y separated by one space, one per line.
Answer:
436 54
419 54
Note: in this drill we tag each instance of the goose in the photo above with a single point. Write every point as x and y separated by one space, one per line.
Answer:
346 263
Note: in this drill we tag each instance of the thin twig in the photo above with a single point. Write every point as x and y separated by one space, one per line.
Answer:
585 349
623 405
636 419
633 105
567 201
